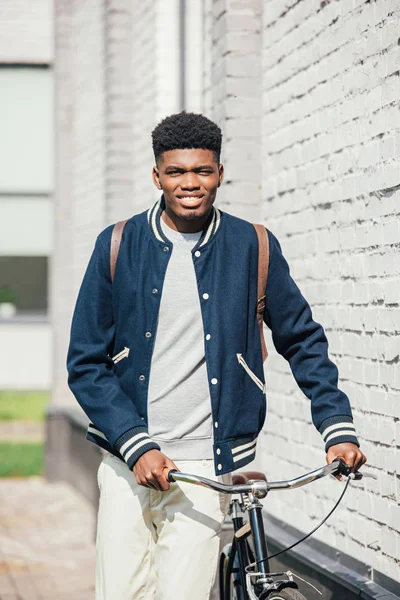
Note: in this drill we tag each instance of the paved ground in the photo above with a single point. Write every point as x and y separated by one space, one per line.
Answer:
46 541
22 431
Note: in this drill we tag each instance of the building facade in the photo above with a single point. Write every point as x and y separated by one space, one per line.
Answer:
306 94
26 187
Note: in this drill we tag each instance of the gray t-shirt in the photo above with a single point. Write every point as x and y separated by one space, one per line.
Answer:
179 405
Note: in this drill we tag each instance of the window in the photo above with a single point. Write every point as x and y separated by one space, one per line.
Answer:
26 158
26 278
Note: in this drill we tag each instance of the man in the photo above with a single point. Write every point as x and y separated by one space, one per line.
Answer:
166 362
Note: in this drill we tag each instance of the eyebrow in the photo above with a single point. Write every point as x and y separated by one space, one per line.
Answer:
176 168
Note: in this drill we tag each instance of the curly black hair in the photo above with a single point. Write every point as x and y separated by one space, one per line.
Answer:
186 130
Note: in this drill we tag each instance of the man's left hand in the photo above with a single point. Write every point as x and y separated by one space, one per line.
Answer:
349 453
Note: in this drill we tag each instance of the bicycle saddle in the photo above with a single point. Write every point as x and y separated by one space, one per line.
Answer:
245 476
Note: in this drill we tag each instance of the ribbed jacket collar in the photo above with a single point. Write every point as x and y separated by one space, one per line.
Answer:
154 216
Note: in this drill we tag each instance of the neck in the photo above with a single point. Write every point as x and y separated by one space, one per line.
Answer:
181 225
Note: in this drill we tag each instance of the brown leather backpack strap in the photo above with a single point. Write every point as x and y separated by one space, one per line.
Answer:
263 263
115 244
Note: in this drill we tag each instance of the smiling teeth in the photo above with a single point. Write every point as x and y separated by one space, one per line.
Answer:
189 198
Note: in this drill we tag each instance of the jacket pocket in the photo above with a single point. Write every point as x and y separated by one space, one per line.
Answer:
250 373
123 354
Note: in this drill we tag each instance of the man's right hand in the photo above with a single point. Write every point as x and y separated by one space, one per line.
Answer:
151 470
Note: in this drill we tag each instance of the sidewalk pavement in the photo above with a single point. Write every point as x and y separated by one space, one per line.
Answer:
47 546
22 431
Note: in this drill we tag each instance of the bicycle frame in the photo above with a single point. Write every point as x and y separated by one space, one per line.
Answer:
241 550
240 555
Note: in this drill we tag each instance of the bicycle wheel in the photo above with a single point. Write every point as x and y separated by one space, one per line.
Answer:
229 586
285 594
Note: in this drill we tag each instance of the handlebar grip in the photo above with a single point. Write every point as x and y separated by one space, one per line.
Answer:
170 475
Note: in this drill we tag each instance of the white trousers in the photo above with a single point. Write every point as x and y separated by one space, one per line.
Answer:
153 545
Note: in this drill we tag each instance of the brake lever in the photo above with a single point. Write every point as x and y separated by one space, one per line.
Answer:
345 470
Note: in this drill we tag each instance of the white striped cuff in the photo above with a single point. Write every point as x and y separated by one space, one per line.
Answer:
338 430
244 450
133 443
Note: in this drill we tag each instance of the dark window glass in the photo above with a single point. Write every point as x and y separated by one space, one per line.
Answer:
26 278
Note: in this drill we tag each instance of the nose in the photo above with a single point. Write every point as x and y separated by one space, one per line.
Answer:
190 182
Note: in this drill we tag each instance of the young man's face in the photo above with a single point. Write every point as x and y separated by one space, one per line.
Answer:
189 179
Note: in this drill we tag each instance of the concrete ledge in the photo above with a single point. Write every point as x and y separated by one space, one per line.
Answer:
335 574
68 455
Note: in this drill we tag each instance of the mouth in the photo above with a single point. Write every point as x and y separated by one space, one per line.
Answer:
190 201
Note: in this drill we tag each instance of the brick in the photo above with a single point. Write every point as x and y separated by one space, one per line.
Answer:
241 66
389 542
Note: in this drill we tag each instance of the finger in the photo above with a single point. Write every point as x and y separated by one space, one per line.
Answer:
157 483
164 483
350 459
358 461
152 485
159 480
170 466
140 478
142 483
150 481
361 460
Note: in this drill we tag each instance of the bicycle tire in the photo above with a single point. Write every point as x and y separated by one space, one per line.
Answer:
285 594
234 592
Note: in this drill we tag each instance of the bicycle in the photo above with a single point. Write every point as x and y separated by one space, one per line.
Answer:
244 572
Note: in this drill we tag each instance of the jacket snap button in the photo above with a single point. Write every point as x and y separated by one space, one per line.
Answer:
142 378
166 249
148 334
206 296
216 424
214 381
197 253
219 467
154 291
208 336
218 450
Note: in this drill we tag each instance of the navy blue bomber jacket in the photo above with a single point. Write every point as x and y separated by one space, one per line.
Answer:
114 327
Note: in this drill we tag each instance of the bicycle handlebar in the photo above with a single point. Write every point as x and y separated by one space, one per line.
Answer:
260 488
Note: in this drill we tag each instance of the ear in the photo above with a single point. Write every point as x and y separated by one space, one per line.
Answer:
156 177
221 174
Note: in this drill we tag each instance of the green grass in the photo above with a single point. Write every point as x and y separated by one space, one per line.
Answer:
21 460
26 406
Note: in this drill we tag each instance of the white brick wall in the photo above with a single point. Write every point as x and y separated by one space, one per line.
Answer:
331 193
306 94
144 102
155 81
80 205
236 101
110 94
26 34
118 32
